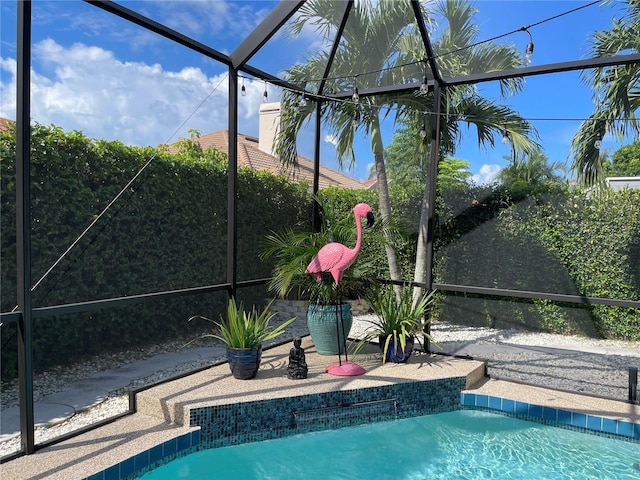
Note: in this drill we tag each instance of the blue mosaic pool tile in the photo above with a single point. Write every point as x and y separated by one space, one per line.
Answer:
183 442
553 416
550 413
96 476
155 454
495 402
141 460
535 411
112 473
233 424
609 425
508 405
625 428
468 399
579 420
127 467
594 423
564 417
170 447
522 408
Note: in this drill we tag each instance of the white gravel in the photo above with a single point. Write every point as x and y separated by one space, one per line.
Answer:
574 363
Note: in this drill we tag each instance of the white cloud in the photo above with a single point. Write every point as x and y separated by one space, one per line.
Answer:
88 89
331 138
487 174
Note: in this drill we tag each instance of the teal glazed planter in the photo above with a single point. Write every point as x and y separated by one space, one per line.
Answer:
321 320
244 362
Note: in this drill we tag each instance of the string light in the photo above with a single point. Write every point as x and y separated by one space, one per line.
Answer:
528 54
423 131
303 99
460 116
356 96
505 136
265 95
598 143
243 90
424 87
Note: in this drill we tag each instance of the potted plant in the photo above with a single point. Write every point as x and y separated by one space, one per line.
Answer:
243 333
398 322
292 250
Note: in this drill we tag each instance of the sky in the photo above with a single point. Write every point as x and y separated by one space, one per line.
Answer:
97 73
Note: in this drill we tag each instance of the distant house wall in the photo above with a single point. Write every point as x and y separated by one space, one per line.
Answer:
620 183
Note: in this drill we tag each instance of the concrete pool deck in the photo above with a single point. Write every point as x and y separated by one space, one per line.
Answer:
162 409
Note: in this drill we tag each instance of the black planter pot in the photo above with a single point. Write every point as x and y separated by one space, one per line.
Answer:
244 362
395 353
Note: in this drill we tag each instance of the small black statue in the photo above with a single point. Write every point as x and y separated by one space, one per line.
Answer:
297 368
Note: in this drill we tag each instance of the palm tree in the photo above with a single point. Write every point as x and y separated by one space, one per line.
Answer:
371 28
533 171
460 53
616 95
387 28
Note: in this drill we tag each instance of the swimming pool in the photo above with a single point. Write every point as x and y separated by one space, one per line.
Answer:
463 444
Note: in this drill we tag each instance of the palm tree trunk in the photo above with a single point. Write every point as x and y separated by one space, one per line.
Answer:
385 203
420 272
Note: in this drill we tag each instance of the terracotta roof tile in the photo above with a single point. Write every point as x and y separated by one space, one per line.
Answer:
250 155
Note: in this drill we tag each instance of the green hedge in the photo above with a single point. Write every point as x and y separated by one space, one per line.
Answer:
168 230
557 242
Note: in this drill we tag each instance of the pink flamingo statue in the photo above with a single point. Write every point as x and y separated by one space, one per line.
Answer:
335 258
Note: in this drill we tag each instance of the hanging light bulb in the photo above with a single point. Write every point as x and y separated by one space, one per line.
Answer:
424 88
528 57
356 96
303 99
528 53
243 90
505 137
598 143
423 131
265 95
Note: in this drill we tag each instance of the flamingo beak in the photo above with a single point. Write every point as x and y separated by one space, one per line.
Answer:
370 220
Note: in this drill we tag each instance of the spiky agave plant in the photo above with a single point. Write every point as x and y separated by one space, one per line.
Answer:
245 329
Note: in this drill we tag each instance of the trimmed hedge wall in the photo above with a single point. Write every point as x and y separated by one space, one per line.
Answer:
168 230
555 241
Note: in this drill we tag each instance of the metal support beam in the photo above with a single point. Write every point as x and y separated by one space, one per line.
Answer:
232 185
495 76
160 29
316 170
263 32
23 226
432 177
633 384
422 27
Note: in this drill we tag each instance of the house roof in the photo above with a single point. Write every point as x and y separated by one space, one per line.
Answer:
249 155
4 123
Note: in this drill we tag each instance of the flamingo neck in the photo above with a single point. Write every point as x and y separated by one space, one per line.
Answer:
356 249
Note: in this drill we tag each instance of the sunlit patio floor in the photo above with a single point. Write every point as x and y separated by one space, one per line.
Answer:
162 409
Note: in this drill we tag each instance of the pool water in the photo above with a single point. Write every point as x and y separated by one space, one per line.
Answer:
465 444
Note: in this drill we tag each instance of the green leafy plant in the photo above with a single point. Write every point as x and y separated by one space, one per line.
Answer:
245 329
396 319
292 250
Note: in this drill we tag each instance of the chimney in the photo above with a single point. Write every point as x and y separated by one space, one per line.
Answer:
268 126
